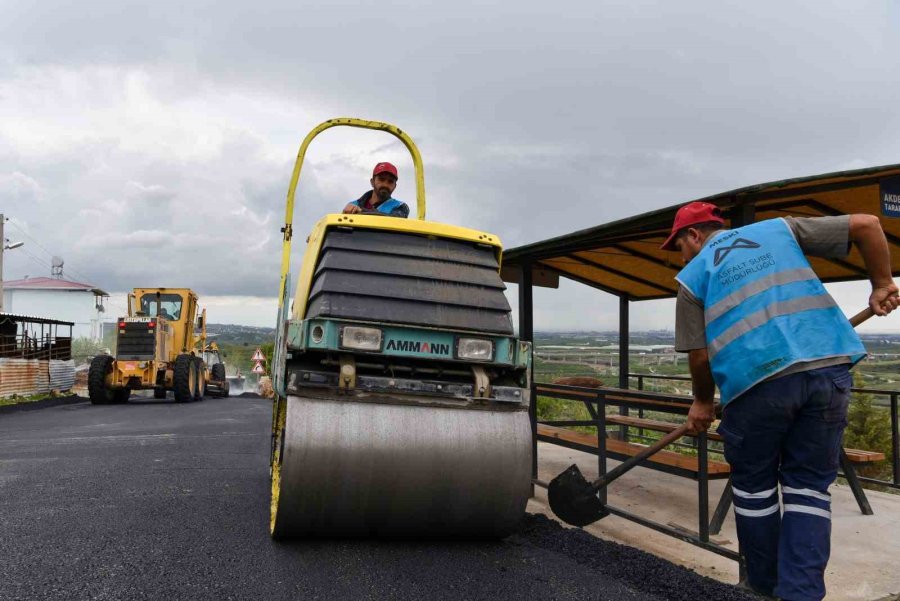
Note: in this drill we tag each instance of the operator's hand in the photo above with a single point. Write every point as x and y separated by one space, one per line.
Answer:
352 209
884 298
700 417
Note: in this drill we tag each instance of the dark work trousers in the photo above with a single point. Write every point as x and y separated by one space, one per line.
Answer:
788 431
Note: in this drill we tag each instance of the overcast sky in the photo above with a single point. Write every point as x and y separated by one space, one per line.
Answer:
151 144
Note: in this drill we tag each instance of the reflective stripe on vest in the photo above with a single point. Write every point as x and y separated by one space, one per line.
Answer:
386 207
764 307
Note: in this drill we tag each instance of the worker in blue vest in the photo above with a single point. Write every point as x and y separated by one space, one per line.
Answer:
378 200
758 324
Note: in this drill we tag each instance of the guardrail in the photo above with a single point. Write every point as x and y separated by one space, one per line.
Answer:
894 482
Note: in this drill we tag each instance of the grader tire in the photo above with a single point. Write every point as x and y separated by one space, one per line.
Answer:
98 392
201 379
184 379
218 372
122 395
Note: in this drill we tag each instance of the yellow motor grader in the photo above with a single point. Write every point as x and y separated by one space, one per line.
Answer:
158 348
401 391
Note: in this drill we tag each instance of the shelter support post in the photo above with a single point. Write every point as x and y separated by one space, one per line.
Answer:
744 214
624 367
895 439
526 333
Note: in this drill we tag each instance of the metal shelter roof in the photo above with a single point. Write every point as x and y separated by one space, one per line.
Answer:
33 319
623 257
42 283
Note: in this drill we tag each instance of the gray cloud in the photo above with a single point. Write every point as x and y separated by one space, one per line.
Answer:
153 144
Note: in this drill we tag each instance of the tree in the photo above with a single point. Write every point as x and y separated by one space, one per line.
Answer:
84 348
869 428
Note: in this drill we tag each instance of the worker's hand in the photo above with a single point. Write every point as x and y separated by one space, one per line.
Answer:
352 209
700 417
884 298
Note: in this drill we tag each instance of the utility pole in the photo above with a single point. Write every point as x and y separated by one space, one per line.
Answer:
4 246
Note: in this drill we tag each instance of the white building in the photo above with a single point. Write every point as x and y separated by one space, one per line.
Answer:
56 298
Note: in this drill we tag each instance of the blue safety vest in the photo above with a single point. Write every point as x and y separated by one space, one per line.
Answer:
765 308
387 207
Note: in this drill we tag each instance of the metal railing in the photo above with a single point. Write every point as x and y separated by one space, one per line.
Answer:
23 346
894 482
596 400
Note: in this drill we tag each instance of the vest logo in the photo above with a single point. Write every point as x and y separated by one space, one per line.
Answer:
415 346
738 244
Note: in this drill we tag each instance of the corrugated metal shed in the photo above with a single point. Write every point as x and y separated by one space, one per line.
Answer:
35 376
62 374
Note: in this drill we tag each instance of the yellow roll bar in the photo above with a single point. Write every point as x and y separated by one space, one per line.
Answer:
295 178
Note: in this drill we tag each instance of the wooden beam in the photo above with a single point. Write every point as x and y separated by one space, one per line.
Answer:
622 274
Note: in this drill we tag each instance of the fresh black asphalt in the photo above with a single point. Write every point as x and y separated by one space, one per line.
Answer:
156 500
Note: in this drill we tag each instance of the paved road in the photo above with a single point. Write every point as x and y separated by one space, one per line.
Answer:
156 500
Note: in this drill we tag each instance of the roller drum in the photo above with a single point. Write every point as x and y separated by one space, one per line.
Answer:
360 468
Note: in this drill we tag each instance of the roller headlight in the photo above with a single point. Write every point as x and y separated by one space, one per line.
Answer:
361 339
475 349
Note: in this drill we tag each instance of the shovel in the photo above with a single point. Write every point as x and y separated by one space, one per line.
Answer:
574 500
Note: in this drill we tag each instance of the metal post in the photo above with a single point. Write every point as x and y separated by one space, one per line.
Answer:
624 367
2 245
703 486
601 443
855 485
722 508
744 214
895 438
623 342
526 333
640 380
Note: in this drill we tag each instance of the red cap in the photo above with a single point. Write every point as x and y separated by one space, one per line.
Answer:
384 168
690 214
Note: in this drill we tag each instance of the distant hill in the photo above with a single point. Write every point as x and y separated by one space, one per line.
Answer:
231 334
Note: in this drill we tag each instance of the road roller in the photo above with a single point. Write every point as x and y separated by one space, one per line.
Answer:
401 392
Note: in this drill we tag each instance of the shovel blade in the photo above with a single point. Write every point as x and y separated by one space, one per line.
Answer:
574 500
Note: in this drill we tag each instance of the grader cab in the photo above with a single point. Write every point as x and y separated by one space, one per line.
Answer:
402 393
157 348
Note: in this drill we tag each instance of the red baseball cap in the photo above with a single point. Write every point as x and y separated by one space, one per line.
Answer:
384 168
690 214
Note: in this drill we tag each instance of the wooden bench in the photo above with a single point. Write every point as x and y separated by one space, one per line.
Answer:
858 456
618 449
596 400
854 455
686 465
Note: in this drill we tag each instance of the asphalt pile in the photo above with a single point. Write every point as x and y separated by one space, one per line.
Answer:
632 567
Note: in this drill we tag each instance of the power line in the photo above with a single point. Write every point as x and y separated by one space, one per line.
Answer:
27 235
34 259
42 247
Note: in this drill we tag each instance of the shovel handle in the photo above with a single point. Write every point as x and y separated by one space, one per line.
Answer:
861 316
623 467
